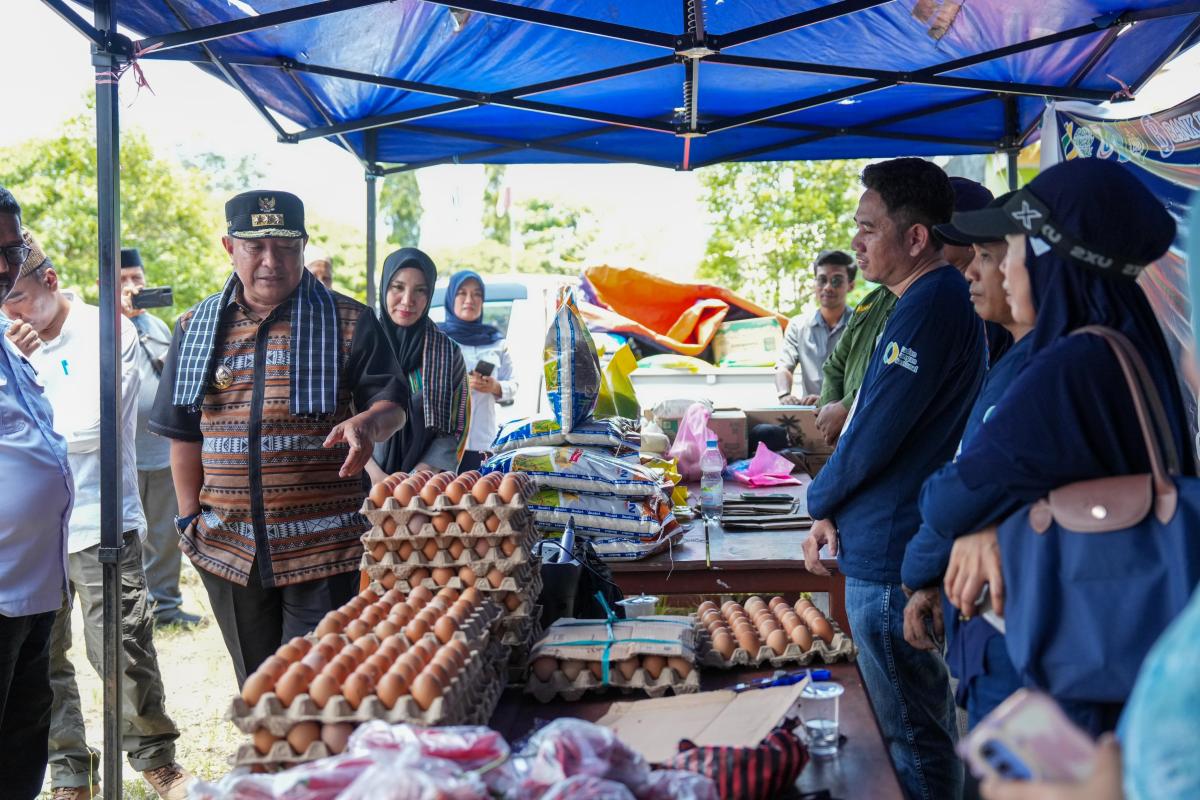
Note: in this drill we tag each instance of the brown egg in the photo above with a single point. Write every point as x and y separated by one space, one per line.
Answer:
336 734
264 740
338 670
378 551
789 621
774 601
385 629
472 596
357 688
508 545
753 602
492 523
417 576
464 521
460 650
801 637
428 648
442 520
509 487
777 640
371 615
415 630
455 492
392 597
728 606
442 575
715 625
315 660
420 594
401 614
388 527
512 601
760 614
654 666
707 605
380 664
391 687
680 666
379 494
302 735
415 523
404 492
481 548
571 668
322 688
802 604
811 614
448 660
430 493
748 641
357 628
822 628
256 686
455 549
276 666
448 593
438 671
495 577
543 668
710 615
388 579
439 602
625 668
367 597
404 551
467 576
333 622
444 628
293 683
406 668
767 626
425 690
480 491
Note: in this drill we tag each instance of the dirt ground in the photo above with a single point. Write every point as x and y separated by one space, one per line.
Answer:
199 682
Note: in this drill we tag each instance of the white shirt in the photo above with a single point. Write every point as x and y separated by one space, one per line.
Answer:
484 416
69 367
33 518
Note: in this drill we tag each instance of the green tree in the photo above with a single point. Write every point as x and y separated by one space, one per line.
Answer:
166 211
496 226
225 176
400 208
555 236
769 221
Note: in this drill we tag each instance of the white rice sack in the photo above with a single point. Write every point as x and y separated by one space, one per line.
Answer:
577 469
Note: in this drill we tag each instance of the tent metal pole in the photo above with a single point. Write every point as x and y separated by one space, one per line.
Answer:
554 19
1013 178
74 20
372 169
793 22
1011 130
108 201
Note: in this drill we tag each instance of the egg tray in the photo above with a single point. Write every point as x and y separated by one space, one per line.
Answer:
279 756
529 594
392 509
515 525
521 576
456 703
560 686
526 539
521 629
842 648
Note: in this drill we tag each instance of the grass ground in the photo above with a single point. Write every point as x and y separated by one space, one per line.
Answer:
199 681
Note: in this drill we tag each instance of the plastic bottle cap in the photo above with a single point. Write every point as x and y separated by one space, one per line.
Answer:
712 442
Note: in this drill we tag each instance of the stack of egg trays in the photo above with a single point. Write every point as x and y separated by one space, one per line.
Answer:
478 685
842 648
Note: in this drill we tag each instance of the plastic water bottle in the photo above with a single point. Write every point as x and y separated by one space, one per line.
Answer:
712 496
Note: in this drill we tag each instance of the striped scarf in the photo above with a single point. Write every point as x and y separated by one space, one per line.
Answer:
315 346
446 396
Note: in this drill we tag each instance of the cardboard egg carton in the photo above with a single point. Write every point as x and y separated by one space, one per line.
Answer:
528 596
280 755
515 525
520 629
455 703
518 577
560 686
522 552
392 509
842 648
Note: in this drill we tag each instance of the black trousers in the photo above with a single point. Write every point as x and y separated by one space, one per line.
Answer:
25 701
255 620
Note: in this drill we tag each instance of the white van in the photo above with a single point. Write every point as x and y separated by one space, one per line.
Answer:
522 307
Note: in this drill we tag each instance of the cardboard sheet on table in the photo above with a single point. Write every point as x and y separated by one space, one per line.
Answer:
654 727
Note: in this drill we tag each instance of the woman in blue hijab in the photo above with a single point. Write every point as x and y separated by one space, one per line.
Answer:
484 351
1078 235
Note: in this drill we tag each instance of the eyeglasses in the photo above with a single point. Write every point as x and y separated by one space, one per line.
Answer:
15 254
837 281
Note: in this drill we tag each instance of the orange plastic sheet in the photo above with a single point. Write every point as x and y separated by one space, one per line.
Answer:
681 317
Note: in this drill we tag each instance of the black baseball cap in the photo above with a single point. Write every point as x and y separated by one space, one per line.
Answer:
265 214
1091 211
969 195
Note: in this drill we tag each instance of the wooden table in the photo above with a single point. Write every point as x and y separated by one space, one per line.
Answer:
750 562
861 769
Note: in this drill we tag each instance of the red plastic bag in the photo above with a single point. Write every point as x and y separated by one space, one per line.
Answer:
588 787
324 779
564 749
409 775
471 747
678 784
692 440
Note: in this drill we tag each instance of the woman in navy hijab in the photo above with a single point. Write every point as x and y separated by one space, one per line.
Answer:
1078 235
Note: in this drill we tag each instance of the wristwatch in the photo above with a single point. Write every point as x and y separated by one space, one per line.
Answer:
182 523
783 395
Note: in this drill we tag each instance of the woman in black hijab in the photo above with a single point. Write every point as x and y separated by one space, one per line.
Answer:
434 436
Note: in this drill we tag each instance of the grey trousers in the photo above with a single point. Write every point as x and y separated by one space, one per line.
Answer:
148 734
160 552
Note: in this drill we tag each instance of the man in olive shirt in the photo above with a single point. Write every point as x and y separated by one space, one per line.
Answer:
847 364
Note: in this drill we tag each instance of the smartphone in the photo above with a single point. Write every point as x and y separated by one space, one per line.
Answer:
984 608
157 297
1028 737
485 368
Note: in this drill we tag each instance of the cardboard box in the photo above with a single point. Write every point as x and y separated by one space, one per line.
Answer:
748 343
800 422
729 424
724 718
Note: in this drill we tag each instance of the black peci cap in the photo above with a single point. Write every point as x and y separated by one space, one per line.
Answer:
265 214
130 257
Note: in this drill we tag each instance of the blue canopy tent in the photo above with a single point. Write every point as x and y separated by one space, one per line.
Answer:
404 84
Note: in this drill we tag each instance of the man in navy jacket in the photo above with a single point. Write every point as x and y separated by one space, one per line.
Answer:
909 416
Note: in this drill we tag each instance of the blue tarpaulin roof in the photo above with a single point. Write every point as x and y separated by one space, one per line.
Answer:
676 83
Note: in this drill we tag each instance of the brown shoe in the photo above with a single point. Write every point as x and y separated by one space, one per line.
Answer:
76 793
171 781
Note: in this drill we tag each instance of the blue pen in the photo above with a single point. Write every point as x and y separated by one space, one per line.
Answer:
64 366
786 679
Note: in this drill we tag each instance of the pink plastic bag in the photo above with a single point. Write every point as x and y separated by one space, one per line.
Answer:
767 468
692 440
